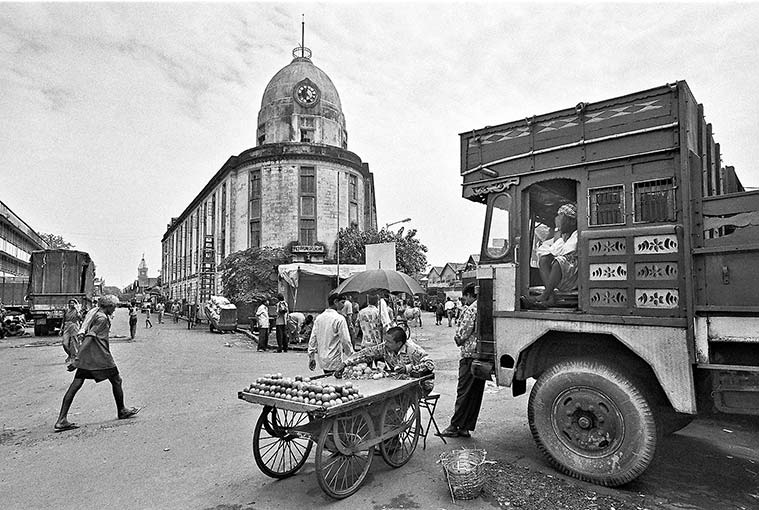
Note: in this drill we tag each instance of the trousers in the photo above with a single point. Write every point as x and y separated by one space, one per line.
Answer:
468 397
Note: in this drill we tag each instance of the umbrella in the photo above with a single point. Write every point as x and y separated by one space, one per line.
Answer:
391 281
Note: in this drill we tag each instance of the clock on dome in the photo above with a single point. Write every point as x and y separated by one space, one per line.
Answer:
306 93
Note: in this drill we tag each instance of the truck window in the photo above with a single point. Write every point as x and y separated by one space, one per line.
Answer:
498 232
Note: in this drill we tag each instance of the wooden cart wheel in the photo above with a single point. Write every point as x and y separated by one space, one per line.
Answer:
280 453
341 465
402 412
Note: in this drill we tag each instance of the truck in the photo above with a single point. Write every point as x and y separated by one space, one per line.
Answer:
55 277
663 321
13 293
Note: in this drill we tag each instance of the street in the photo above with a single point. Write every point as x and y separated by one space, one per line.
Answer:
190 446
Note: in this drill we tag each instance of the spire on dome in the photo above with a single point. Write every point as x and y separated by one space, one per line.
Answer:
301 53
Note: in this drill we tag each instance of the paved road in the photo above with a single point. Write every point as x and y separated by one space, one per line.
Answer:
190 446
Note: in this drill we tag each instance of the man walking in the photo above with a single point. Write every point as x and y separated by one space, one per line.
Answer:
330 339
132 320
470 389
450 309
160 309
94 361
262 316
175 311
148 322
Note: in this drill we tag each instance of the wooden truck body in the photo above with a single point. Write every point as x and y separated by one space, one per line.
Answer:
664 321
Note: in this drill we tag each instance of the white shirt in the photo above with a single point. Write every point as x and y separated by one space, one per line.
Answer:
384 312
559 246
450 305
330 340
263 316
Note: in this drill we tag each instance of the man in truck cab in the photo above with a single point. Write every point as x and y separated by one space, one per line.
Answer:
557 259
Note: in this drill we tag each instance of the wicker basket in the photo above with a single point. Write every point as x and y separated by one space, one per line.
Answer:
464 470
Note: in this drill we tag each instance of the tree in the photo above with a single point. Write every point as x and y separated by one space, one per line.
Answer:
250 275
56 242
410 253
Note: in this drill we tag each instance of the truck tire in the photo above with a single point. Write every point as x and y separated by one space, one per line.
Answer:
592 422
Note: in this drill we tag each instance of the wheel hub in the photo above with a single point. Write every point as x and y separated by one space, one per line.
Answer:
587 422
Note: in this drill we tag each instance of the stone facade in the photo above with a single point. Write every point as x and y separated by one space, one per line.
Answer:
282 192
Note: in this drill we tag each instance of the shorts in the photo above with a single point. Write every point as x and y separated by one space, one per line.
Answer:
568 264
97 375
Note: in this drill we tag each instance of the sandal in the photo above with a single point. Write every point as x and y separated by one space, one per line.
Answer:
128 413
65 427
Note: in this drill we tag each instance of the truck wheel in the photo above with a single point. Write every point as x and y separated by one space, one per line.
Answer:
592 422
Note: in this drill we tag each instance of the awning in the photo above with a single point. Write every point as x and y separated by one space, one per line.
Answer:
290 272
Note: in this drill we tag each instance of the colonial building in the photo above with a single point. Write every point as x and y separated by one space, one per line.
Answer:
294 189
144 284
17 242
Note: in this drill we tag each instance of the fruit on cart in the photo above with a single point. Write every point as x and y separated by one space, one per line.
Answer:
363 371
303 390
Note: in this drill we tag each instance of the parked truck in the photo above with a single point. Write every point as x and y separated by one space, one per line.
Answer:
13 293
56 277
664 321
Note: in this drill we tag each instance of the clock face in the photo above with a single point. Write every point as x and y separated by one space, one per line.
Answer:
306 94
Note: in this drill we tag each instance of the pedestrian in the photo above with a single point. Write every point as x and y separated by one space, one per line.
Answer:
347 312
386 315
262 316
175 311
295 322
72 320
191 316
132 320
330 340
146 309
94 361
306 328
469 389
280 323
450 309
439 313
159 308
370 323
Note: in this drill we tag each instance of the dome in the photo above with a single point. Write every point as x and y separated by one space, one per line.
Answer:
301 104
282 84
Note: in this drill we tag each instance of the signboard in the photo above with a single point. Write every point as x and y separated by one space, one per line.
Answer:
303 248
380 256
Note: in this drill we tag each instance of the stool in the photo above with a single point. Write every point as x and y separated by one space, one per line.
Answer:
429 402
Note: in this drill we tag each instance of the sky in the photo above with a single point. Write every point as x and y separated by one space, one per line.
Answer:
114 116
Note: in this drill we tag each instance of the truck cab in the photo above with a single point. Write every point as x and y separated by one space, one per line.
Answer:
660 320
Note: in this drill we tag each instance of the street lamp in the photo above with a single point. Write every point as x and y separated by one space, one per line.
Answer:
388 225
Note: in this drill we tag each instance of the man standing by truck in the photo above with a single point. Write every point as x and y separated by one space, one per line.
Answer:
94 361
470 389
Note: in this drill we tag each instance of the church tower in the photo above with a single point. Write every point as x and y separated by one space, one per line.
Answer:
142 273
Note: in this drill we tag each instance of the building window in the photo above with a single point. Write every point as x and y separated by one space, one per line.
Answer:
307 234
353 201
353 188
254 209
607 205
654 201
255 234
307 129
353 215
223 217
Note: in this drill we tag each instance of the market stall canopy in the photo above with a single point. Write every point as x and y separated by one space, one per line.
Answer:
290 272
391 281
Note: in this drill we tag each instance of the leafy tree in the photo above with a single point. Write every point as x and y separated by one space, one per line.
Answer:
410 253
56 242
250 275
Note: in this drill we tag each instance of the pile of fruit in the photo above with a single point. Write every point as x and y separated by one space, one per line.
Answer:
364 371
304 390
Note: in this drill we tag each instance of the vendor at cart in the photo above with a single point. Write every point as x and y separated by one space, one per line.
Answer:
401 356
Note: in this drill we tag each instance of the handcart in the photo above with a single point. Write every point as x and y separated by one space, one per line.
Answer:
346 435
